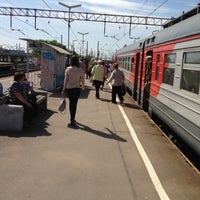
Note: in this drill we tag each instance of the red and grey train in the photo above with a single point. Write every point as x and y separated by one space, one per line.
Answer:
163 75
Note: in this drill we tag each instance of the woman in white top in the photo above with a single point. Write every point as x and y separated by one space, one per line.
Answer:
117 76
74 77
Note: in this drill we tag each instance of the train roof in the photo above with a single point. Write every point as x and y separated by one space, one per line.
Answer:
187 27
182 17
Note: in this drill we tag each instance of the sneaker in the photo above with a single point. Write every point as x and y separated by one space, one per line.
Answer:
73 125
121 102
70 124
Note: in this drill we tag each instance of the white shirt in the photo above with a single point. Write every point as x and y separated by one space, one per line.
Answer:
73 77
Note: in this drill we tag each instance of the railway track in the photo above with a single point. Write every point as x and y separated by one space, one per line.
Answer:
9 73
180 144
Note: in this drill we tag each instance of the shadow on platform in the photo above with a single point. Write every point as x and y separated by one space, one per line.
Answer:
37 128
129 105
84 93
109 135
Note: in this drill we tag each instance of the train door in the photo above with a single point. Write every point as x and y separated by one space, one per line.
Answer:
135 89
147 80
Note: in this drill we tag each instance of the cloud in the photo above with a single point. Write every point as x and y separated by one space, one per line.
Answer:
5 5
105 6
121 7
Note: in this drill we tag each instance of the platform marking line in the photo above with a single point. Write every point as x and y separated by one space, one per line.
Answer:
152 173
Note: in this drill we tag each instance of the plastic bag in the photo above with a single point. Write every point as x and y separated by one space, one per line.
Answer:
123 89
62 106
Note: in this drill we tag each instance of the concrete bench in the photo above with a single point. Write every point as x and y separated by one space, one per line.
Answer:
11 117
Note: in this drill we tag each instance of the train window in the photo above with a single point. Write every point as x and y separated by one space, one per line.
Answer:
158 58
153 39
170 58
192 58
148 41
190 81
157 73
168 76
132 64
126 63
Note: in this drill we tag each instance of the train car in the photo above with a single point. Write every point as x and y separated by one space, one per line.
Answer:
163 75
6 67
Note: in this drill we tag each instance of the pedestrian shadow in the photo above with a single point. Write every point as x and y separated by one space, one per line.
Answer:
84 93
131 105
105 100
128 105
36 129
109 135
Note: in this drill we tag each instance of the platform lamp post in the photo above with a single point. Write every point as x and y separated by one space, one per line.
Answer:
69 20
83 34
73 46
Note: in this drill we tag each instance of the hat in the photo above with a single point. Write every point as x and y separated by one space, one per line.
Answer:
100 61
148 57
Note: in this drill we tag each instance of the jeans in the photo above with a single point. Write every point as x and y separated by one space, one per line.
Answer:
73 95
97 85
117 90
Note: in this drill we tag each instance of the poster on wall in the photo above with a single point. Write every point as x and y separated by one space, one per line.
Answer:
60 70
47 70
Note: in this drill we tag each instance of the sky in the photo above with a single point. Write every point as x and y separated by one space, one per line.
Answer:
57 29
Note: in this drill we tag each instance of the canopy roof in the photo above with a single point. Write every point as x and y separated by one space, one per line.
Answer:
37 43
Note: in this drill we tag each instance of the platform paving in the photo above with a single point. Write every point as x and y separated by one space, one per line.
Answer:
97 160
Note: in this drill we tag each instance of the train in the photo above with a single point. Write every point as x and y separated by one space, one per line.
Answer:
16 60
162 74
9 68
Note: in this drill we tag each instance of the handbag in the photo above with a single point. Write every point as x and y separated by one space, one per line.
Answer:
91 79
123 89
62 106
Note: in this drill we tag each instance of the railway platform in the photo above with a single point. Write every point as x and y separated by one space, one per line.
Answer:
116 152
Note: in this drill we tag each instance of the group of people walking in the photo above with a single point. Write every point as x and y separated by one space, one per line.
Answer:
75 80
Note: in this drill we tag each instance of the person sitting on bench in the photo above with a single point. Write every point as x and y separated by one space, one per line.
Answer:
17 97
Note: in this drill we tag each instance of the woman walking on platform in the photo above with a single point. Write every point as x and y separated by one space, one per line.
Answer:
118 80
98 76
74 77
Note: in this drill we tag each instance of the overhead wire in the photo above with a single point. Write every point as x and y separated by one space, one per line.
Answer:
125 33
154 10
27 23
64 21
